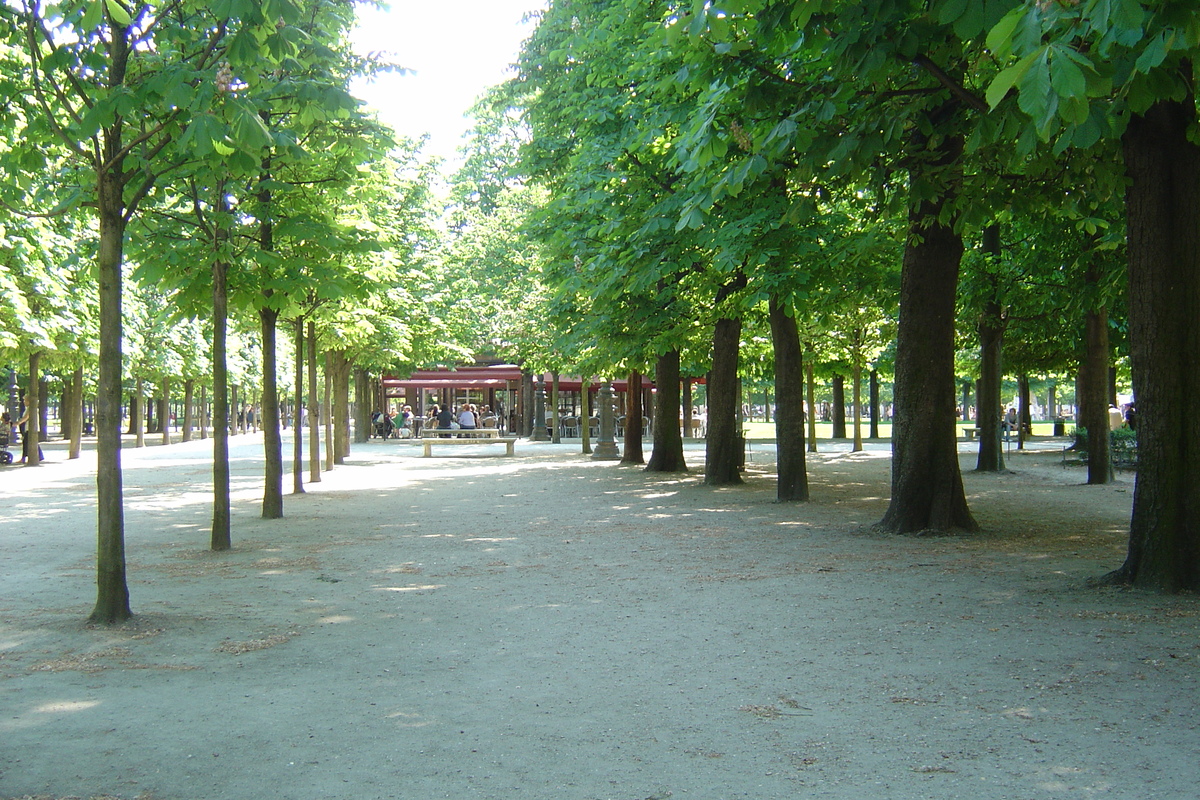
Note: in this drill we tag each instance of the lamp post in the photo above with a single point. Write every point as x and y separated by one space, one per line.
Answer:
539 411
606 446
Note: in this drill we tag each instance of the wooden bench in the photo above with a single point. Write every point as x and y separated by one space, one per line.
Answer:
508 442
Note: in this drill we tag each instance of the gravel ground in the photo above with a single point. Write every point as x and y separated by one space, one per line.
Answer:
548 627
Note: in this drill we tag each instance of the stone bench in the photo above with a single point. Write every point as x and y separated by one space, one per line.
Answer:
508 442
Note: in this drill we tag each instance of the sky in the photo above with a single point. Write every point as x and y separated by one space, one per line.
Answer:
456 49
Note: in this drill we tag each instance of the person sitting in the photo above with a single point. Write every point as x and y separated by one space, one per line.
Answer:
466 419
445 420
405 427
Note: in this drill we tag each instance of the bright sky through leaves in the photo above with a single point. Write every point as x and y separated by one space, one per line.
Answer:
456 49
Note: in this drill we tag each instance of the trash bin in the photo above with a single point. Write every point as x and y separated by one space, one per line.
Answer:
1060 427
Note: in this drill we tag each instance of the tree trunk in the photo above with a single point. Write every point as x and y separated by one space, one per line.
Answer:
810 390
362 406
30 442
312 418
112 590
138 414
205 415
723 454
1024 420
686 402
297 428
873 395
839 407
268 418
856 405
792 481
221 538
989 405
927 489
585 417
76 446
164 413
1162 205
342 404
1093 389
633 421
667 453
189 402
555 421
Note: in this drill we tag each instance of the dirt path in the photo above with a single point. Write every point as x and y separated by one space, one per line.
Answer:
548 627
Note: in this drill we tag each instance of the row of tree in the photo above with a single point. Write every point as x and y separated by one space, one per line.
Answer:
1017 172
183 181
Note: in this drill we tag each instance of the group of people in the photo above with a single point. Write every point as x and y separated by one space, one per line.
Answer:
468 417
398 424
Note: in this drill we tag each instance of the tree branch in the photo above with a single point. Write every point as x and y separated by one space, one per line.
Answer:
958 90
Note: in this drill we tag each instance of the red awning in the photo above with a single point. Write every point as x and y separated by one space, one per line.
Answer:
500 376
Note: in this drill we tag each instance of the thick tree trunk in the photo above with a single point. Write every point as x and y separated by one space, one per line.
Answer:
723 454
667 453
927 489
633 421
1162 211
792 483
268 419
839 407
221 538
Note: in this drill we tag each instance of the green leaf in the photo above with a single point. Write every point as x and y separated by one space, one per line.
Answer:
93 16
118 13
1067 78
1153 55
1007 79
999 38
951 10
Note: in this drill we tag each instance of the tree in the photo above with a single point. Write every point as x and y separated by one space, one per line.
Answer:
1125 70
114 90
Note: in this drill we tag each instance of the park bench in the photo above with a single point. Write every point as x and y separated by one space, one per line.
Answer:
970 433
